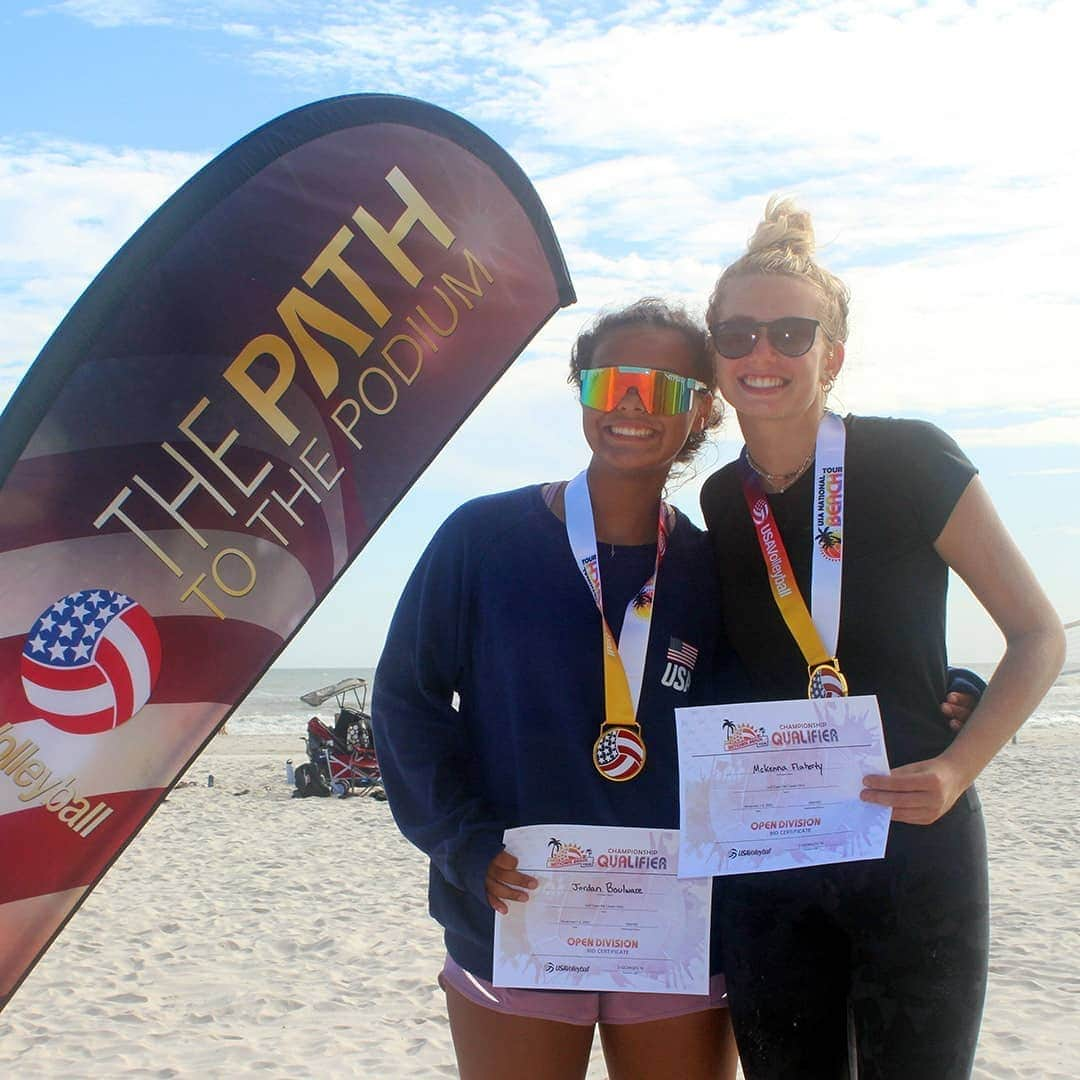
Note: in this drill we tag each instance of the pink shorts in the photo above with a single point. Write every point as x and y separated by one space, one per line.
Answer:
584 1007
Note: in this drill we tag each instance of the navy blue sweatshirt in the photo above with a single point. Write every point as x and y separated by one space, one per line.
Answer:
497 612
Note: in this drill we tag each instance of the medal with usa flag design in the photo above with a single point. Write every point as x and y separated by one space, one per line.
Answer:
619 752
827 680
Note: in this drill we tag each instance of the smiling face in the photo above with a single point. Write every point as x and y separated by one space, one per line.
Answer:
629 437
766 385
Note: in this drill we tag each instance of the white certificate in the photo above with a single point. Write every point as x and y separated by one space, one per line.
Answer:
775 785
610 913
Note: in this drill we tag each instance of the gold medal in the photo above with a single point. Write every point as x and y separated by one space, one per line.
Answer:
619 752
826 680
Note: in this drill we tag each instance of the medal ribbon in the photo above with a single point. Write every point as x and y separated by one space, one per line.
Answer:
624 662
827 527
816 635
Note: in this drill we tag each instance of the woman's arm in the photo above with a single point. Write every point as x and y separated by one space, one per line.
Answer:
977 546
423 746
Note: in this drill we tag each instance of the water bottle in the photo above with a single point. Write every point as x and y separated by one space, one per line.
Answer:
290 773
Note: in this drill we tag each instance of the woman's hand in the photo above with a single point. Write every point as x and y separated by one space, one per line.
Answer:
503 882
958 707
918 793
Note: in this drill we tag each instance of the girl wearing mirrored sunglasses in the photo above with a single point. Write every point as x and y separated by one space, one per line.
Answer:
896 948
499 613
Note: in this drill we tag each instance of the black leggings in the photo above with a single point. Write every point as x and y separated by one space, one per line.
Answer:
902 942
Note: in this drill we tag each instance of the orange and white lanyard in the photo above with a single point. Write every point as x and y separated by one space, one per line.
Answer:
816 634
619 751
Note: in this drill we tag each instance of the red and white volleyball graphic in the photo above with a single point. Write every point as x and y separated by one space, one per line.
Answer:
619 753
91 661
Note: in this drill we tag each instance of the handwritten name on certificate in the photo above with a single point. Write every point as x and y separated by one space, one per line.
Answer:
610 913
775 785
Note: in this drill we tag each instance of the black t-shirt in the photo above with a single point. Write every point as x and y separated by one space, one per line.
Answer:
902 481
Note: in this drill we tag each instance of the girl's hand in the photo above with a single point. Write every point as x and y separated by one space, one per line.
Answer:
958 707
918 793
503 882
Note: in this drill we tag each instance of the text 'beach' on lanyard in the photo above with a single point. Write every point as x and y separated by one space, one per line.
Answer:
816 633
619 751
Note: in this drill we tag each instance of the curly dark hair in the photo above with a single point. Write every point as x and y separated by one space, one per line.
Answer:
654 313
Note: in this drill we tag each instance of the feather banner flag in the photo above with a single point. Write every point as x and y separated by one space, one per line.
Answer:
209 439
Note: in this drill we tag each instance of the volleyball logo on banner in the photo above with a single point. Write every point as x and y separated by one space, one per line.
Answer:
343 286
90 661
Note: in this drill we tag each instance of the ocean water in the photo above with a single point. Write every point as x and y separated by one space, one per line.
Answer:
274 706
1061 704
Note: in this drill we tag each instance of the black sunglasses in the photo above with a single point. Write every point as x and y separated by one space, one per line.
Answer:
791 336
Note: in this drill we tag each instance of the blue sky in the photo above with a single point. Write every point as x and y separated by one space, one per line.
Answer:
935 144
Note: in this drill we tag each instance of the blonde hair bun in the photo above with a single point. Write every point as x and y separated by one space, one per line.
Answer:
783 243
784 226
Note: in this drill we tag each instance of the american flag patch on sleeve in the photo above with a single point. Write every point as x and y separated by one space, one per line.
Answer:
682 653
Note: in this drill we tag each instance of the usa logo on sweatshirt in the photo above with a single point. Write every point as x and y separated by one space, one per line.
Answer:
681 658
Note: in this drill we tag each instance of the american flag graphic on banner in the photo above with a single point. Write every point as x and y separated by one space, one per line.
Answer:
91 661
213 434
680 652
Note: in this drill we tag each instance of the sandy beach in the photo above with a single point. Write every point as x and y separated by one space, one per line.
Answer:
246 932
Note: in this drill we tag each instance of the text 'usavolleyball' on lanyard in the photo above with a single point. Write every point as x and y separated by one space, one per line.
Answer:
619 750
816 634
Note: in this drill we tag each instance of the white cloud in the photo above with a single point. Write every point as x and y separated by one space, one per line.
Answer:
197 14
242 30
932 143
1047 472
64 203
1053 431
65 209
107 13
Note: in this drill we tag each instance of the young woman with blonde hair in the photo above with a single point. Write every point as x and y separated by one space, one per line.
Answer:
898 945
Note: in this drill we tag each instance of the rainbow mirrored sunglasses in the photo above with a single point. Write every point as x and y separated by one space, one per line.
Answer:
663 393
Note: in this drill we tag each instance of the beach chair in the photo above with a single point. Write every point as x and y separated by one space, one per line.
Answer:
341 761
